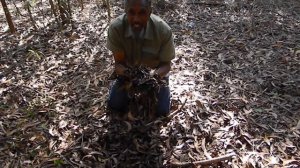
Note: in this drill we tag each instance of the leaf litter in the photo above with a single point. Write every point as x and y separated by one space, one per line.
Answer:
235 92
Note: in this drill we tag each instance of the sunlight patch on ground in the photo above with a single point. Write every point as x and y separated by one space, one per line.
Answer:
186 80
177 87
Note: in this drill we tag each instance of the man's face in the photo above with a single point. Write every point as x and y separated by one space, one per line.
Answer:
138 15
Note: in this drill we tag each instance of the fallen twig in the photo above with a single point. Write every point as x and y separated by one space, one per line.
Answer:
203 162
206 3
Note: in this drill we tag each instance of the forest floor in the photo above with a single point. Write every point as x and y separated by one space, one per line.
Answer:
237 66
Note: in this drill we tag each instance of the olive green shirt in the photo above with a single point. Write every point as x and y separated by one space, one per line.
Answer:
156 44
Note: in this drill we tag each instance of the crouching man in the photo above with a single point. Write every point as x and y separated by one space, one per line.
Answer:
139 38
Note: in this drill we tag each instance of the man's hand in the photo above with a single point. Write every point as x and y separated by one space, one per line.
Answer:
162 70
120 69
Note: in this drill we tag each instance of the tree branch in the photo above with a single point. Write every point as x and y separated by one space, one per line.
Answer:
203 162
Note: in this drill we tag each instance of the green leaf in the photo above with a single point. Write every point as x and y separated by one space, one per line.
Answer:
58 162
35 54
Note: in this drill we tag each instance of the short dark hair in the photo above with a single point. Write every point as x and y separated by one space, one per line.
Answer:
146 2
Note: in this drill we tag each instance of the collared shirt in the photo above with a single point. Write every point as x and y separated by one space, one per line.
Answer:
154 46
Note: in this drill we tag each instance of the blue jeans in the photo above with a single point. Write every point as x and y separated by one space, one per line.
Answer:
118 100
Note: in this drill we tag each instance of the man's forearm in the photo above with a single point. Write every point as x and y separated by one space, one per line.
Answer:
120 65
163 69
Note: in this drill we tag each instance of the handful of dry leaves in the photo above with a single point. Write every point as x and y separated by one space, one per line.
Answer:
142 90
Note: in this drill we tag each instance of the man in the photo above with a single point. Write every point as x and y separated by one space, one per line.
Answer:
139 38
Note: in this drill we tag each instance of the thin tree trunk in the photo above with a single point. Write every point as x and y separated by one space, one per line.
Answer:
28 6
106 4
42 11
108 10
70 14
8 17
81 4
63 12
53 9
18 10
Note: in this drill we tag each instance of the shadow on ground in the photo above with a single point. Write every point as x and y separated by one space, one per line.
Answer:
132 145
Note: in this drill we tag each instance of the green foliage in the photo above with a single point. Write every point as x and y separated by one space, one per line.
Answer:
27 4
33 2
3 106
34 54
33 154
62 2
30 112
58 163
30 3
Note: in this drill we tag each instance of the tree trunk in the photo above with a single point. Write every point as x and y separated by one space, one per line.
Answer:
106 4
108 10
8 17
70 14
53 9
63 11
81 4
18 10
27 7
